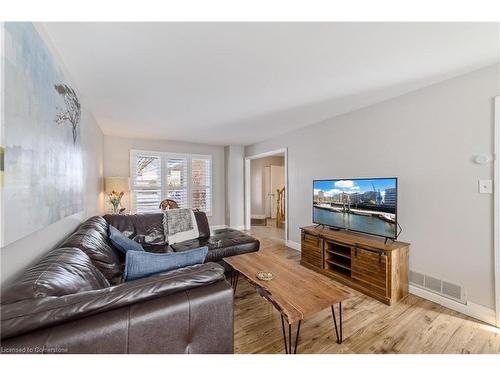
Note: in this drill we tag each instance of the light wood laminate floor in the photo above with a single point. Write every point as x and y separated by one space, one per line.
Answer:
414 325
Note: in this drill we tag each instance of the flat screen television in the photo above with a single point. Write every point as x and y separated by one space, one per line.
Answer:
366 205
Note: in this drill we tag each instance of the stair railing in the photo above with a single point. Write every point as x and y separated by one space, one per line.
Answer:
280 207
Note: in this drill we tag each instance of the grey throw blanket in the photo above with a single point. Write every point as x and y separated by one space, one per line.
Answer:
177 220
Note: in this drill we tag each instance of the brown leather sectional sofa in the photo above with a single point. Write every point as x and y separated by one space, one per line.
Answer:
74 300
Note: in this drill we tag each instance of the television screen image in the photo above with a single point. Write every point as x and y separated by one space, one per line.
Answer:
361 205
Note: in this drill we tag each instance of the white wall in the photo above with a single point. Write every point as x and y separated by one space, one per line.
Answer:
22 253
257 189
235 189
427 138
117 163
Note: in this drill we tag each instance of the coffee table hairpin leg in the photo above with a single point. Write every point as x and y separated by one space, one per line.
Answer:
339 337
288 347
235 276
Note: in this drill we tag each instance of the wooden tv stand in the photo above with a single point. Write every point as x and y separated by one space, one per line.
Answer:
363 262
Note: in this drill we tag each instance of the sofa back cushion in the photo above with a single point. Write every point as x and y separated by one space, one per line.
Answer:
61 272
203 226
92 238
147 229
142 228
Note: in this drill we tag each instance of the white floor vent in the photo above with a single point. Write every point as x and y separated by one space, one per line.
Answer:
444 288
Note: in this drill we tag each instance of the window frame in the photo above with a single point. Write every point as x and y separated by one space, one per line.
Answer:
164 156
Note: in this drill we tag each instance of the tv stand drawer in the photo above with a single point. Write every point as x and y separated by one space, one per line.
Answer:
312 250
312 241
315 261
369 261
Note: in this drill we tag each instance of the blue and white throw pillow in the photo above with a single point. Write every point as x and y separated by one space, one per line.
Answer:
140 264
122 242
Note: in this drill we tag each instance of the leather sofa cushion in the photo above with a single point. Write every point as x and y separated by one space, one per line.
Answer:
223 243
96 222
91 237
61 272
142 228
203 226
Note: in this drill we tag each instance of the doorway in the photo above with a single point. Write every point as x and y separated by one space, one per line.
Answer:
266 195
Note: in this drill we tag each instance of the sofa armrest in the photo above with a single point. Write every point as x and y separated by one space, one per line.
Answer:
28 315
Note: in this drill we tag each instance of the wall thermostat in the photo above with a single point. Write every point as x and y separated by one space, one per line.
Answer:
482 159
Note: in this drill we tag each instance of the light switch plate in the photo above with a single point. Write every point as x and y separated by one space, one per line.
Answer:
486 186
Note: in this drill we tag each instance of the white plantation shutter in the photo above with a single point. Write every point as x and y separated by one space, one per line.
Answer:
177 180
185 178
147 201
146 181
201 183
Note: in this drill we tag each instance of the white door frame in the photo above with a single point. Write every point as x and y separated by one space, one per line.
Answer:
496 209
248 202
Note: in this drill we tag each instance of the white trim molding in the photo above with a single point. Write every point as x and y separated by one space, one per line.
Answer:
496 209
255 216
238 227
471 309
294 245
247 181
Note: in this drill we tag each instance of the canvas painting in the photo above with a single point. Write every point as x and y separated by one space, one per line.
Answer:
42 178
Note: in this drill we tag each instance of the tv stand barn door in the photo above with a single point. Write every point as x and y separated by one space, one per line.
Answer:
364 263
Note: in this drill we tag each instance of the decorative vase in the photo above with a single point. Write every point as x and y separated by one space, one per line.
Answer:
116 207
115 198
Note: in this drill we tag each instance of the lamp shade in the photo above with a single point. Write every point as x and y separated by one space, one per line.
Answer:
117 184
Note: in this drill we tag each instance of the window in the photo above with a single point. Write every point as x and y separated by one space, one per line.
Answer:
146 181
201 196
177 181
185 178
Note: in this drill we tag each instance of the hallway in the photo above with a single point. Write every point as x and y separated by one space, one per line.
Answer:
269 231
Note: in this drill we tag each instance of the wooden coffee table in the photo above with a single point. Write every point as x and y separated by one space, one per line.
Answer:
296 292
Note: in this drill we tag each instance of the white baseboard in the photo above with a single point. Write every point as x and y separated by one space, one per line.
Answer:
258 216
294 245
474 310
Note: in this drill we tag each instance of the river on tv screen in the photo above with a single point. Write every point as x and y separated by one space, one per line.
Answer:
367 205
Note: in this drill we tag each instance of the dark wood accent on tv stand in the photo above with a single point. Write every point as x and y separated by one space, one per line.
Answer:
363 262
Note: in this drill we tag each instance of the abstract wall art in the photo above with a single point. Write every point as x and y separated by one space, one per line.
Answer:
43 172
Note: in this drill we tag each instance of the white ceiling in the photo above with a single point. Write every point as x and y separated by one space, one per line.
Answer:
240 83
